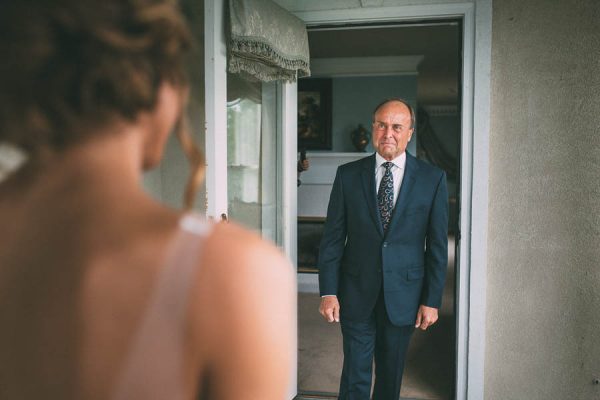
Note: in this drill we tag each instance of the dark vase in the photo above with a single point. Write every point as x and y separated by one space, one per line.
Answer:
360 138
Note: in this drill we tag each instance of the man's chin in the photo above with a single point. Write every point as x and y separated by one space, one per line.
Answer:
388 154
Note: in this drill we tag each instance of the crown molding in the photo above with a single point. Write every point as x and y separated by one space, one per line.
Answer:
365 66
441 110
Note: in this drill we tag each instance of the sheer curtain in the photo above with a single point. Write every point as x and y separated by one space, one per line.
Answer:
252 154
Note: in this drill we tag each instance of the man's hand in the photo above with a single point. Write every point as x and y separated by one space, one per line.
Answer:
303 165
426 317
330 308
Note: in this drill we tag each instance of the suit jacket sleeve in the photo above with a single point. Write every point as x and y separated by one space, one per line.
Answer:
436 251
332 245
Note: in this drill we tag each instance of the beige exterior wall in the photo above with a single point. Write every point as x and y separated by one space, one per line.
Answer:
543 286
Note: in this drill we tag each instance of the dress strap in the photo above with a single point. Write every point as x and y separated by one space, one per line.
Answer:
153 369
195 224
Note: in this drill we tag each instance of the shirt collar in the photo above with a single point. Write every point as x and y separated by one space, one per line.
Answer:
399 161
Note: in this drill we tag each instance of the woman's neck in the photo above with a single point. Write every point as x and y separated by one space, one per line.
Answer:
105 167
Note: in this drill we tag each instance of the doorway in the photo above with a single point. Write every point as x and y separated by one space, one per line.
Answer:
420 61
476 17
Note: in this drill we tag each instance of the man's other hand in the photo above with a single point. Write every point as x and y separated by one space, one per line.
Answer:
303 165
330 308
426 317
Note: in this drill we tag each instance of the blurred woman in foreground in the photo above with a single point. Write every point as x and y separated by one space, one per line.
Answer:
104 293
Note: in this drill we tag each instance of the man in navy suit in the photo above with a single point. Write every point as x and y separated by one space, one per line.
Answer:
383 256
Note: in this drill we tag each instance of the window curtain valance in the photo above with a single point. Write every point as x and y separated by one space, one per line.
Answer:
266 42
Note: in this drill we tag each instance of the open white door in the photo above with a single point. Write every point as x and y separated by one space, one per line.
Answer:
250 146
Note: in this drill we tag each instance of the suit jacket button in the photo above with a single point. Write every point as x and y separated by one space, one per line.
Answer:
384 244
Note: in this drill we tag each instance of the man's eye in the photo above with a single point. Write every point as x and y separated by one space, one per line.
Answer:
397 128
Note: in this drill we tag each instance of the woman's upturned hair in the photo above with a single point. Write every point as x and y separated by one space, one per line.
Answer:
71 66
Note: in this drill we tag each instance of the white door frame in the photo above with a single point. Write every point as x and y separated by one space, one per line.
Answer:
472 256
215 104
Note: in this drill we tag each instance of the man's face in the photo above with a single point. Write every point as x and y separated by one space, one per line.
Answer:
391 130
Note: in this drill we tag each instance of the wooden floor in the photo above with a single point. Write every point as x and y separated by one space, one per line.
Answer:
429 372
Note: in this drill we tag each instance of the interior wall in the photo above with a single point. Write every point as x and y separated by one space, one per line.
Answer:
543 272
354 99
447 130
166 183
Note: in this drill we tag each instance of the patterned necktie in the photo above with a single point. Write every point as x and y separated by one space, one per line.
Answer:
385 196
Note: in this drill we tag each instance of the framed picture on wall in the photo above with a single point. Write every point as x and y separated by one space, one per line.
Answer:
314 114
310 231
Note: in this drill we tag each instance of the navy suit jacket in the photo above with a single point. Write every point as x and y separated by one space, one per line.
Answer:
409 261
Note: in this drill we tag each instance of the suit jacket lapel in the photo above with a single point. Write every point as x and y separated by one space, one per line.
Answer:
368 184
408 181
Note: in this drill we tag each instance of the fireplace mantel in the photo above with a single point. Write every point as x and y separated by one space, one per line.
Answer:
313 194
323 166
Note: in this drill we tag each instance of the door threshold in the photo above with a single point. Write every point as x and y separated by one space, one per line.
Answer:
307 395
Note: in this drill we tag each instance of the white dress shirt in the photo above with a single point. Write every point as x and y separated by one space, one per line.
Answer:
397 172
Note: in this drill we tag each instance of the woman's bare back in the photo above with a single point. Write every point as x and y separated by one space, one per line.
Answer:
76 278
80 265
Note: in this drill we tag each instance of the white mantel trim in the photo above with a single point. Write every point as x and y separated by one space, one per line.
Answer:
323 166
371 3
333 154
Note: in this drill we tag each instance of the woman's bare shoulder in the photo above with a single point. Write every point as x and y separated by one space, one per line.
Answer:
246 304
239 262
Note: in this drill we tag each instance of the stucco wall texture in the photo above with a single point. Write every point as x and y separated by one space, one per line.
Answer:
543 275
